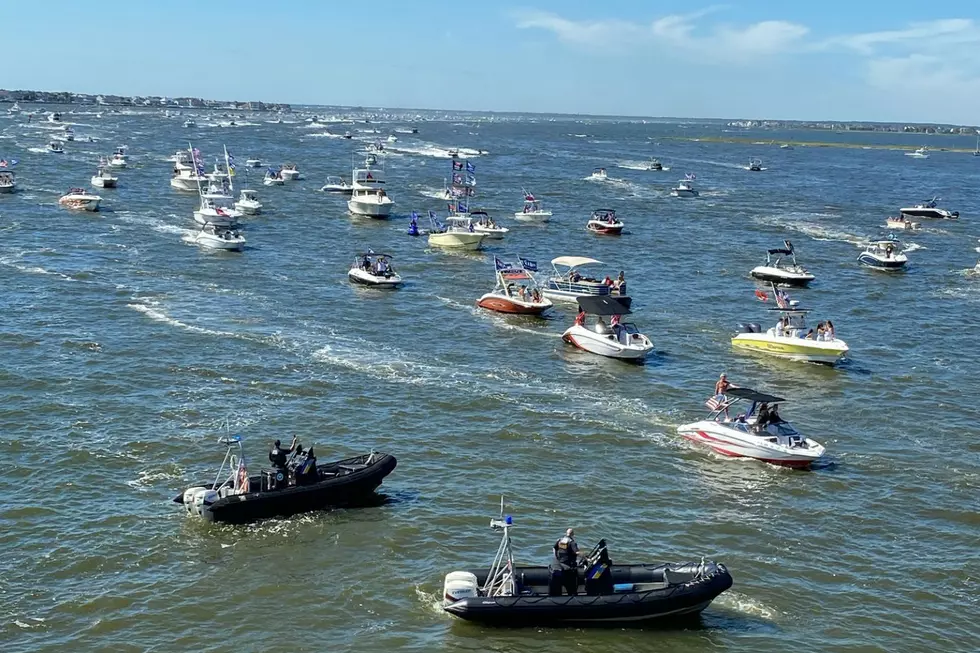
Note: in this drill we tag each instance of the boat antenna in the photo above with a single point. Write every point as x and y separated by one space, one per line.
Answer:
500 580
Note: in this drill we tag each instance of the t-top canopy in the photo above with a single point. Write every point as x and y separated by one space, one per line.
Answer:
752 395
780 251
573 261
605 304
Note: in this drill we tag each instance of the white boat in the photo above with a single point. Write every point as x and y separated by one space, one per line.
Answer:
80 199
903 223
599 174
8 181
118 159
253 163
375 270
929 209
290 172
685 187
533 211
186 179
214 236
54 116
14 109
786 146
656 166
336 185
754 433
248 202
886 254
755 165
216 213
180 158
103 178
516 291
190 123
780 271
368 196
456 233
273 178
55 148
568 283
484 224
69 133
920 153
604 221
613 340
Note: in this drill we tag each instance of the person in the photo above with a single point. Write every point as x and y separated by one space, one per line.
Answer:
522 292
575 277
278 455
536 296
723 384
601 327
580 318
820 331
809 335
567 556
763 417
829 331
608 282
774 417
621 283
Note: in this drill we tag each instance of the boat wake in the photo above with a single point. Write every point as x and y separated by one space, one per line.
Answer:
434 193
639 165
803 223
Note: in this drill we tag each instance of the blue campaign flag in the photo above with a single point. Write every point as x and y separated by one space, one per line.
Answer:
470 167
529 265
13 162
461 207
500 265
471 180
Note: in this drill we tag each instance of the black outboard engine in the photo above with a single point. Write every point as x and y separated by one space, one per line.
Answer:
598 573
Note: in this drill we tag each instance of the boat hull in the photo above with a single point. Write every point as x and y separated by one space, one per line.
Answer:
186 184
492 234
798 349
501 304
370 209
8 189
533 216
636 349
605 229
366 279
902 225
457 240
213 242
782 277
249 208
890 265
81 204
736 444
102 182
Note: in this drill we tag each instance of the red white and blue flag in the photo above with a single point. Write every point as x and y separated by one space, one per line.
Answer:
716 402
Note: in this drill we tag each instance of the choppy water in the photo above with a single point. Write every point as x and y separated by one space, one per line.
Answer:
126 350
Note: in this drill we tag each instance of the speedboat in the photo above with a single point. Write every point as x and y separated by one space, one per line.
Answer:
212 212
607 594
604 221
919 153
755 165
885 254
190 123
118 159
14 109
55 148
902 223
685 188
599 173
516 290
456 233
273 178
235 496
214 236
103 178
368 196
348 135
484 224
613 340
453 152
336 185
655 166
532 212
248 202
8 181
568 283
929 209
54 116
69 133
290 172
253 163
778 271
749 435
374 270
80 199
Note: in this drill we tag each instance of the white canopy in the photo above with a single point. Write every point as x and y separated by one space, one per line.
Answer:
573 261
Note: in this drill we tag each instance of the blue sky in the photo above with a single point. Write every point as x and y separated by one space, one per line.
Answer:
836 60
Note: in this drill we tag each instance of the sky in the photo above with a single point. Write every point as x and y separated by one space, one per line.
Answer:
894 61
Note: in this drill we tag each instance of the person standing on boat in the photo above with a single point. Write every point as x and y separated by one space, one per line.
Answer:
278 455
567 555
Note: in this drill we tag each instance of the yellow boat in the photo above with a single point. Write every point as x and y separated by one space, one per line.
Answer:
788 339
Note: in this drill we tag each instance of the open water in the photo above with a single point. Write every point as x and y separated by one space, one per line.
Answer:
127 352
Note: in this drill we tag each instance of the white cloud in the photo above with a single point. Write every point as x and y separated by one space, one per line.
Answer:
943 34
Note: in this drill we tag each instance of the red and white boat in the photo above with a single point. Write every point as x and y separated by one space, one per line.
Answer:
604 221
756 433
80 199
516 291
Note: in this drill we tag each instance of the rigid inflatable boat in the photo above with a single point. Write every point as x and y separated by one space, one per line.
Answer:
513 596
303 486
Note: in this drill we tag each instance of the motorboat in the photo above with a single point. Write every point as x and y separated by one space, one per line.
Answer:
248 202
685 187
214 236
348 135
218 174
613 340
368 195
337 185
190 123
604 221
929 209
886 254
8 181
606 594
103 178
516 290
186 179
253 163
80 199
755 165
599 174
791 337
14 109
69 133
568 282
214 212
920 153
786 146
532 211
375 270
54 116
55 148
903 223
453 152
273 178
290 172
755 433
180 158
484 224
655 166
303 485
118 159
456 233
779 270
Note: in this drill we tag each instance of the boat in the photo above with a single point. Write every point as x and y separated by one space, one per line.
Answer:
248 202
118 159
456 233
237 497
213 236
290 172
69 133
375 270
929 209
8 181
214 212
568 283
187 179
348 135
886 254
368 195
779 271
903 223
748 435
599 173
786 146
14 109
55 148
54 116
920 153
613 340
80 199
607 594
604 221
516 290
532 211
190 123
755 165
484 224
336 185
685 187
103 178
273 178
253 163
453 153
655 166
976 152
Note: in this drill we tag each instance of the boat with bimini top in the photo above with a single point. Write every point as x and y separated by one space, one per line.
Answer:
617 339
568 282
516 290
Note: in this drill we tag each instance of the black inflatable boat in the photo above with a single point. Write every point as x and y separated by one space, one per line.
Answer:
242 498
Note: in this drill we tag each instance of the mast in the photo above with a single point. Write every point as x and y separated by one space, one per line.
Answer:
230 170
463 186
198 171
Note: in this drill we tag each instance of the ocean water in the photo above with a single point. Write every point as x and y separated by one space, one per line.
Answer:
128 352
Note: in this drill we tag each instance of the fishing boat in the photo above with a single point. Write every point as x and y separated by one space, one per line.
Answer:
613 340
456 233
484 224
55 148
885 254
104 178
248 202
80 199
302 485
368 194
604 221
337 185
929 209
920 153
779 270
290 172
516 290
599 174
375 270
568 282
755 433
685 187
118 159
532 211
8 181
213 236
606 594
755 165
903 223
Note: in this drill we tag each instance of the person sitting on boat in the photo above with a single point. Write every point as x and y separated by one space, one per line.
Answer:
620 284
278 455
536 296
522 292
774 417
574 277
602 328
762 419
608 282
829 331
567 557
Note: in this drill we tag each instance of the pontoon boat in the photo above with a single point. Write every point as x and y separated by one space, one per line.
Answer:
568 283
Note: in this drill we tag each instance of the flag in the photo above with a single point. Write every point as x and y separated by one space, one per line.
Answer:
220 211
471 180
369 177
470 167
529 197
457 165
529 265
3 163
690 176
782 299
500 265
461 207
716 402
457 179
243 483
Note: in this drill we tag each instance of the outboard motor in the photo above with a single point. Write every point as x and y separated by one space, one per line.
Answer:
459 585
189 498
755 328
743 328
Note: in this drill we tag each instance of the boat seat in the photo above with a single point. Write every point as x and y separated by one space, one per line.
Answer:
353 467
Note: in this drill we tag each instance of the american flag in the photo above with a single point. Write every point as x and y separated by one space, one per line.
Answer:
782 299
690 176
715 402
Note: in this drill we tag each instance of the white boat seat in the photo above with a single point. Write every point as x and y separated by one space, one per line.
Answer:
354 467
